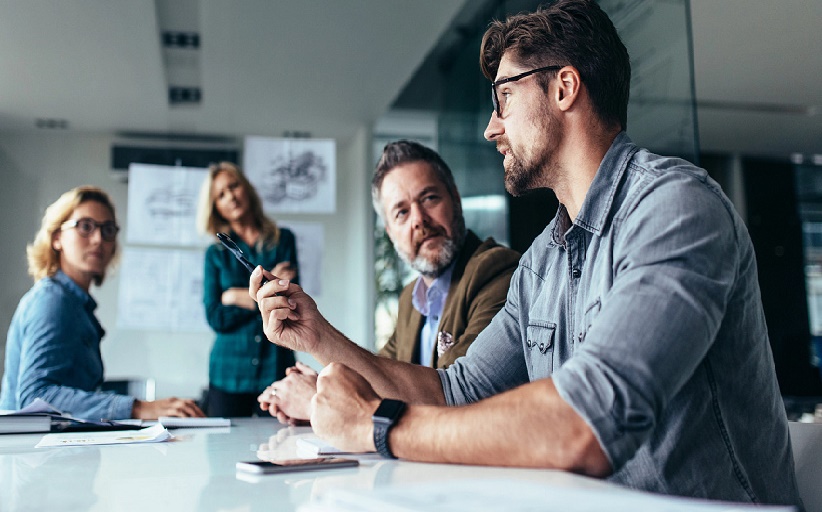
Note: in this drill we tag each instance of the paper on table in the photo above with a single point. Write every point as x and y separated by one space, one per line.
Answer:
173 422
154 434
310 447
38 405
517 496
34 418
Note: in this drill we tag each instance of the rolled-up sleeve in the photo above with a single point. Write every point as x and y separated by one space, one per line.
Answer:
493 363
673 274
60 363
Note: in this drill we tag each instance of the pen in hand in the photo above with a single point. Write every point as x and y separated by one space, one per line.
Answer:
229 244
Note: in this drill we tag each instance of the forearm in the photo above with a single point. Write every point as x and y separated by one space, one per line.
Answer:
91 405
291 319
393 379
56 369
530 426
224 319
238 297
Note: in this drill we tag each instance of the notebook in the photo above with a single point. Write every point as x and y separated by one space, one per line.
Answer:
20 423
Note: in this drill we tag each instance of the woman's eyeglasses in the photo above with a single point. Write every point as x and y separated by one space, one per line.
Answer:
86 227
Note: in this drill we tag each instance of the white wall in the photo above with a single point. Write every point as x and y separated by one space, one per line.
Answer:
37 167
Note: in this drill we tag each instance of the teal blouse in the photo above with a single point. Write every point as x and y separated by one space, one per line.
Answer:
242 359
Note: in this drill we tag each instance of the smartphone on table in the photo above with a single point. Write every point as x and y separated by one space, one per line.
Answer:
264 467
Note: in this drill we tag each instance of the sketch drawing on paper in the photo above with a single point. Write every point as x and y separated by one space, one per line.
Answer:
162 206
170 203
294 177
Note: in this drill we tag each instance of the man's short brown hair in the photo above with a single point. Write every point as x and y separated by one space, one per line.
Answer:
574 33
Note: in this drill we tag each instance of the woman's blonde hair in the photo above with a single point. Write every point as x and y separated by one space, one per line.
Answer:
44 260
209 219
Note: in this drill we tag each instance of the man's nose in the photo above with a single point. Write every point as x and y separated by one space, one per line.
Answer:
419 217
494 128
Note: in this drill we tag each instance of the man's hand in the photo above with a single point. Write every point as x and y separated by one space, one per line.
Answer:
181 407
289 399
342 408
290 316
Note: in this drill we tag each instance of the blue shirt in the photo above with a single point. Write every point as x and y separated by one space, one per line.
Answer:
242 360
429 301
53 353
646 312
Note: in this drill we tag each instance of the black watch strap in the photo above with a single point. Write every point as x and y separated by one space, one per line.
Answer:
381 440
385 417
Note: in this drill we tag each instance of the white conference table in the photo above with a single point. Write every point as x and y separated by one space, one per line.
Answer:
196 471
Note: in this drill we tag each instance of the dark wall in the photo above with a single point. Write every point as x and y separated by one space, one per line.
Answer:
776 232
528 215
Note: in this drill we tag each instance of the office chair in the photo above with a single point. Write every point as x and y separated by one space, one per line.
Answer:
806 439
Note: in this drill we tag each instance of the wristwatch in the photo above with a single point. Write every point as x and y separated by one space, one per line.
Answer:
384 418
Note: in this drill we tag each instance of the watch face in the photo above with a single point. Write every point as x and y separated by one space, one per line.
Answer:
389 410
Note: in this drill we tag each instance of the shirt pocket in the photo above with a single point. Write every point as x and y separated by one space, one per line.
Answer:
539 348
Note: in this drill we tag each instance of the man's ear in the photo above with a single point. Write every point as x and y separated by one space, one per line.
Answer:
569 87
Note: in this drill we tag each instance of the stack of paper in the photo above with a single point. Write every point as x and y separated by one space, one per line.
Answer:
173 422
41 416
311 447
18 423
34 418
155 434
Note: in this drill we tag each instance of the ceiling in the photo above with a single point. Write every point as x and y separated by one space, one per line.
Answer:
265 67
271 67
758 74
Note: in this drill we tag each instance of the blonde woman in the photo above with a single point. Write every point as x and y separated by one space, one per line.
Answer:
242 362
53 344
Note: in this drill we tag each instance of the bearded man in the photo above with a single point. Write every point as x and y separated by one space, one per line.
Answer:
462 283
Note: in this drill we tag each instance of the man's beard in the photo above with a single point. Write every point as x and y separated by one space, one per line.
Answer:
522 176
444 257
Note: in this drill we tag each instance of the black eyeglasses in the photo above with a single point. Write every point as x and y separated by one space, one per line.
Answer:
500 106
86 226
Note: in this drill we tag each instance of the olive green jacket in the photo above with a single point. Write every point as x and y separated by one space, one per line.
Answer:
479 285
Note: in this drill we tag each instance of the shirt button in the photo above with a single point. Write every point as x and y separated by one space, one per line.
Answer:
576 273
255 361
258 338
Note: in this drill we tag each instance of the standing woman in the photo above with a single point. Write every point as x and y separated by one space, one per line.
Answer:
53 344
242 362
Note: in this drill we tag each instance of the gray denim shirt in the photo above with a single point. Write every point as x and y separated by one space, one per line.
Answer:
646 312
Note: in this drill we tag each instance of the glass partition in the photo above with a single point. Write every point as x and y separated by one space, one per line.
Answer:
809 199
451 89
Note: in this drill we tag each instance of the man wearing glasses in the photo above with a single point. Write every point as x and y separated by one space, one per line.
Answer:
632 344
